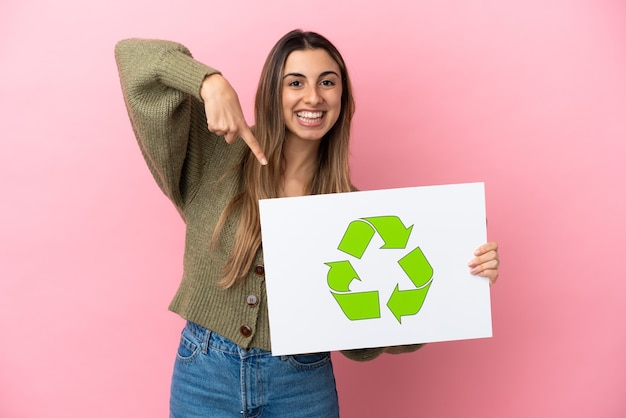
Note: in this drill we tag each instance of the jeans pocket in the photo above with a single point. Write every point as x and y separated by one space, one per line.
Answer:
189 346
309 361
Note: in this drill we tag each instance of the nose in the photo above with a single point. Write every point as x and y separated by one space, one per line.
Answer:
312 95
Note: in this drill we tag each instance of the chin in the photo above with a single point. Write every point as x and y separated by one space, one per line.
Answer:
310 136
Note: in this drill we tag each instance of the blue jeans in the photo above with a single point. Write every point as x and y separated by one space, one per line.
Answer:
213 377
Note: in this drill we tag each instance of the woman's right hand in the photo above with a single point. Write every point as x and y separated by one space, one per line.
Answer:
224 115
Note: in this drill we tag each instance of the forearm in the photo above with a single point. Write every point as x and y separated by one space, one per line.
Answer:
367 354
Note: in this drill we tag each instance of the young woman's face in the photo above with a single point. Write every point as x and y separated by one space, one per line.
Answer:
311 94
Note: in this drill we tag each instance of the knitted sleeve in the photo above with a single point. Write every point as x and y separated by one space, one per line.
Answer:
161 86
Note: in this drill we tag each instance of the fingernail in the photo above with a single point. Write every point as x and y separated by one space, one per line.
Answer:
263 161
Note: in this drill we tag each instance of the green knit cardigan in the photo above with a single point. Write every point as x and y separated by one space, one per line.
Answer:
196 170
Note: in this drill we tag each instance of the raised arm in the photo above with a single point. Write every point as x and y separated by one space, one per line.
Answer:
161 85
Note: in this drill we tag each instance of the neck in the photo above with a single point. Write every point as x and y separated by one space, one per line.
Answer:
300 162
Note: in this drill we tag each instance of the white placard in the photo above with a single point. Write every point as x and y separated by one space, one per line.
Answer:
409 248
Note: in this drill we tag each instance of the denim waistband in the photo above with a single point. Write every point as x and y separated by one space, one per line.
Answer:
218 342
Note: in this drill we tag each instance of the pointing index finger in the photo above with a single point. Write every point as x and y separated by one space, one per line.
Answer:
254 145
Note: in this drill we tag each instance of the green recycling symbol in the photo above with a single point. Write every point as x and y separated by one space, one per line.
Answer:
366 305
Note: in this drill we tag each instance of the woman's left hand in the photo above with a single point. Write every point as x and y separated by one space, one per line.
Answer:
486 262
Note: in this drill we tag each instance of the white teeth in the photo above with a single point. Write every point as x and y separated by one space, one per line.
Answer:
310 115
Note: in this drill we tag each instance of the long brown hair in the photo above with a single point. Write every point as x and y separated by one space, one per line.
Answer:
263 182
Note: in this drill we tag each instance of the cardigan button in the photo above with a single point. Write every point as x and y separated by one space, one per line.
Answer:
252 300
246 331
259 270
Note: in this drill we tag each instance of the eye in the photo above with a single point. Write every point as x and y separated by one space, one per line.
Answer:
327 83
295 83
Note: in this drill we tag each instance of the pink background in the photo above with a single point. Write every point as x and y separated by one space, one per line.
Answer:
528 96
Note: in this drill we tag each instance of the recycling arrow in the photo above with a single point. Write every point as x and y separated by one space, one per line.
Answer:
366 305
361 305
340 275
391 230
357 237
409 302
417 267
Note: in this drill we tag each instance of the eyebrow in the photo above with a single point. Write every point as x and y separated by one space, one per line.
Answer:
323 74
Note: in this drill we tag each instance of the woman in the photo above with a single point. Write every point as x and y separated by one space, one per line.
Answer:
188 121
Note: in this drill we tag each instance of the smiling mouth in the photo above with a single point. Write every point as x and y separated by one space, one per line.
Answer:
310 118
